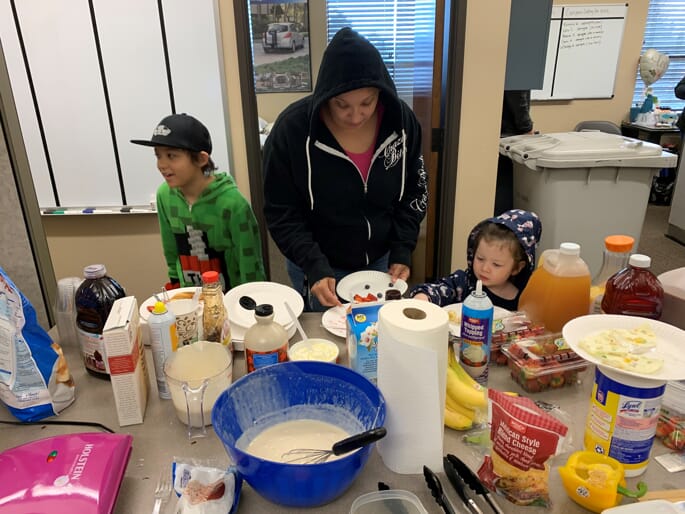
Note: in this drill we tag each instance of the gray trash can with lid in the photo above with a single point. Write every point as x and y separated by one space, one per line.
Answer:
584 185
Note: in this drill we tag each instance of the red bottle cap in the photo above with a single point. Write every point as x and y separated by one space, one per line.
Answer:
210 276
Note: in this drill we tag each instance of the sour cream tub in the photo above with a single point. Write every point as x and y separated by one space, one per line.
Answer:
314 349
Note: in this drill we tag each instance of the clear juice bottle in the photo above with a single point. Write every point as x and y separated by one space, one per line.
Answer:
559 290
634 290
617 250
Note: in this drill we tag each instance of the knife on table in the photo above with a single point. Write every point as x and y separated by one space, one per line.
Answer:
460 486
435 487
469 477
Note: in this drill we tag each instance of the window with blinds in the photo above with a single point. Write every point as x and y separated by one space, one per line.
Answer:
402 30
665 32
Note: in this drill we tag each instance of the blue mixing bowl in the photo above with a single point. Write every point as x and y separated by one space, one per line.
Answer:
297 390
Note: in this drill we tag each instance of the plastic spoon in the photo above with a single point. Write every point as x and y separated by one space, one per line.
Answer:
296 321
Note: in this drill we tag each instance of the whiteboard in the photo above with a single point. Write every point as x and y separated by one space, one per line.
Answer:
583 51
87 77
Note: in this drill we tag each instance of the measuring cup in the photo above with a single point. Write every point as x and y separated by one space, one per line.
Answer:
196 375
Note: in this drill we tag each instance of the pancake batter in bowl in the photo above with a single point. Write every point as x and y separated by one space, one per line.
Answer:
273 442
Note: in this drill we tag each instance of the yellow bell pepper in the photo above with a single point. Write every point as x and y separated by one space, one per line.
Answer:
596 481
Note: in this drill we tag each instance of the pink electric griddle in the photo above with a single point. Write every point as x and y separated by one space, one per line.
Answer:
66 474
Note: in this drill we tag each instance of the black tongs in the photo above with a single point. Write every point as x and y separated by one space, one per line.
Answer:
435 487
460 475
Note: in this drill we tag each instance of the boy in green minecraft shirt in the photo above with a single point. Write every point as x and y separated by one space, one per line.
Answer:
204 220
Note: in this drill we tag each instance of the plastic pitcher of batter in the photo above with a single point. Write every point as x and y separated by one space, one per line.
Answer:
196 375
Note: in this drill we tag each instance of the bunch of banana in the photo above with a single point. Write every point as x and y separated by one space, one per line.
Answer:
466 400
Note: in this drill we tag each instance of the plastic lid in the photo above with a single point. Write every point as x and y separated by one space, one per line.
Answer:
159 308
264 310
392 500
94 271
209 277
619 243
640 261
569 248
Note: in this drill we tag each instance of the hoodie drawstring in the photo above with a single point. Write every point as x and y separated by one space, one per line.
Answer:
309 176
404 161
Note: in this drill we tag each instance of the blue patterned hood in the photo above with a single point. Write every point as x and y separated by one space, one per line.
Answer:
528 229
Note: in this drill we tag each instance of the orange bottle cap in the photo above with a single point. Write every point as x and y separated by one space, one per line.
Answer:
619 243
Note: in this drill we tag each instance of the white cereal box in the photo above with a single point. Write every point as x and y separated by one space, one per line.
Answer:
124 353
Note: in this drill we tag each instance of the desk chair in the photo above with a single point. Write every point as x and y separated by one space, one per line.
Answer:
602 126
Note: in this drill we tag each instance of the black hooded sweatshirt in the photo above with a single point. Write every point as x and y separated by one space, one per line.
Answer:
320 211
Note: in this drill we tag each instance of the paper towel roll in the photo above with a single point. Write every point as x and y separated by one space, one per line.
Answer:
412 370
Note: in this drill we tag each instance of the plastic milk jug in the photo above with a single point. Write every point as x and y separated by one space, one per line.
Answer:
559 290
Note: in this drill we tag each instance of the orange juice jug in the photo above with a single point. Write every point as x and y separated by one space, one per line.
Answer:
559 290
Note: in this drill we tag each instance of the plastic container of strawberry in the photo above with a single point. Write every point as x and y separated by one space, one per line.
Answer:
544 362
670 428
509 329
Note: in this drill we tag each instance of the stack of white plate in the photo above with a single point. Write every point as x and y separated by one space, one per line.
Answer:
272 293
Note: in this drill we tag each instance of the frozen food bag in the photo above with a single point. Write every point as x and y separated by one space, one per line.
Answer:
35 381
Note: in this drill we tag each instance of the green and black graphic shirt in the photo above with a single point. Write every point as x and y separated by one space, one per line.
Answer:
218 233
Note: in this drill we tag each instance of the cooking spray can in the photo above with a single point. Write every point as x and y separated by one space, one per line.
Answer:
476 334
624 411
163 342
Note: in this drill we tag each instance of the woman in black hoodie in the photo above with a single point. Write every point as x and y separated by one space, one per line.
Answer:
344 181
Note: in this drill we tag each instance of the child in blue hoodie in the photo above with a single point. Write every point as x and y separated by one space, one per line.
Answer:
500 253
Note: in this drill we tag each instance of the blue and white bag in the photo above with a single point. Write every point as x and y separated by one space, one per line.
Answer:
35 381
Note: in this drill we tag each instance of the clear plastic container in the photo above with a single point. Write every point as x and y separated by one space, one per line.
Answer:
558 290
670 428
544 362
392 500
94 299
215 325
65 310
617 250
634 290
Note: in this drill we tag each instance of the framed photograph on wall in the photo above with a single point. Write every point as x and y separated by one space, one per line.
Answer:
280 46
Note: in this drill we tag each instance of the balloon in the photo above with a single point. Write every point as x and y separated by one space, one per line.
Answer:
653 65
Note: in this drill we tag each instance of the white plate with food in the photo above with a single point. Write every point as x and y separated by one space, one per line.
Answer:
632 345
369 286
263 292
182 293
335 320
454 313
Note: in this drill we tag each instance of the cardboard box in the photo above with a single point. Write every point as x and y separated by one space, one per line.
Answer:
362 338
124 353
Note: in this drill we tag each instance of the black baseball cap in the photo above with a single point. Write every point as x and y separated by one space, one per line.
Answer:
180 131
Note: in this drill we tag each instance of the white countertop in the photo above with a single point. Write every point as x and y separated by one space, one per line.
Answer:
162 436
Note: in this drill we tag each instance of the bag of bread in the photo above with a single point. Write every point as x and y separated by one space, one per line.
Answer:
205 487
35 381
523 437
